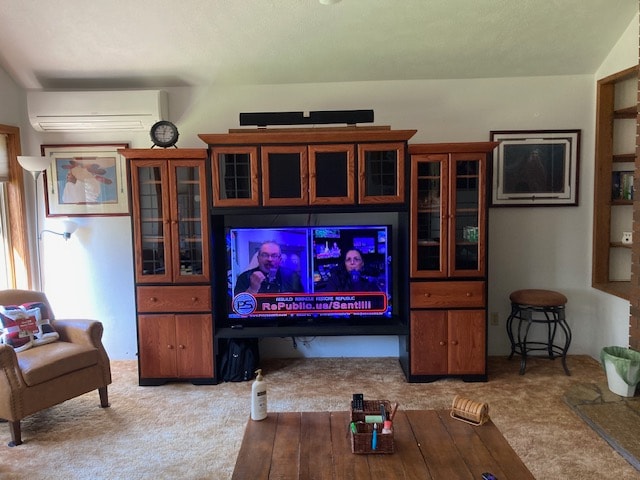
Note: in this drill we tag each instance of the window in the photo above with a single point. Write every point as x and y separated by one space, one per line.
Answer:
15 258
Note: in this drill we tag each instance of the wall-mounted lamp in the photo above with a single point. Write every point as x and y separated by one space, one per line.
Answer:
68 227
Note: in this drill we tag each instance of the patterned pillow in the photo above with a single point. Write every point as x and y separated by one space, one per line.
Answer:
26 326
18 327
45 333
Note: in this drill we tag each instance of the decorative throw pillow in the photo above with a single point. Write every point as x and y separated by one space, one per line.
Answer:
45 333
25 326
18 326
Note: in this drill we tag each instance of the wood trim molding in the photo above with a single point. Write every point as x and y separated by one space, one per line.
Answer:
23 275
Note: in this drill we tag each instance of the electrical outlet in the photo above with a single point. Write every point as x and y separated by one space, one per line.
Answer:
494 319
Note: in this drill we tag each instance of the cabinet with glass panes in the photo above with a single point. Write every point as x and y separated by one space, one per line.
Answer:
448 244
170 223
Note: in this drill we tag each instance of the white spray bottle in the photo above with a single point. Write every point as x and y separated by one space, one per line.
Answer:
259 398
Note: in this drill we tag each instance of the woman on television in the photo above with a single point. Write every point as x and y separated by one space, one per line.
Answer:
349 277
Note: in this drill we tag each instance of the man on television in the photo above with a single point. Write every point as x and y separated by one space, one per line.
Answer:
269 276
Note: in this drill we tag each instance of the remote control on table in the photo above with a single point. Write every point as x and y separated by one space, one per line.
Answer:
358 402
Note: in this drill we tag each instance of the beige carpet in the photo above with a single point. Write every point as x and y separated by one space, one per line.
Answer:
182 431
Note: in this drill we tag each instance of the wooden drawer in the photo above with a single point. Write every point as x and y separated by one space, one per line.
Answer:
174 298
447 294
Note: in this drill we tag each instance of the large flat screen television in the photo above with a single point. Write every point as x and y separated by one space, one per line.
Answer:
302 274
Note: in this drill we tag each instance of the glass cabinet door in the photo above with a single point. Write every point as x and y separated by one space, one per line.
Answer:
189 226
429 174
235 176
150 199
467 215
381 173
285 175
170 222
331 174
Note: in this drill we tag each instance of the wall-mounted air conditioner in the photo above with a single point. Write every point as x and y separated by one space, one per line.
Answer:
96 110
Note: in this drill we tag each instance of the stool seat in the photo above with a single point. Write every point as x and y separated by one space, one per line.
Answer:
538 298
536 306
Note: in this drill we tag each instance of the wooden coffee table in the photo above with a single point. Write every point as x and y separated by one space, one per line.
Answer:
429 444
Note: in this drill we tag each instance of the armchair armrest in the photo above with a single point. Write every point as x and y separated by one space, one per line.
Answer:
11 381
84 332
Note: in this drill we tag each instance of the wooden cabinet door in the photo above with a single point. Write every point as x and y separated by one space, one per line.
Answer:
429 342
157 346
429 215
285 179
234 173
467 341
331 175
151 221
189 221
194 345
381 172
170 221
467 215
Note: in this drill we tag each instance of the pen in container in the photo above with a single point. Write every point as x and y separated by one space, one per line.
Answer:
374 438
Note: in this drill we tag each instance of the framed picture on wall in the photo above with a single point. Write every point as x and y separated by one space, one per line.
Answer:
535 168
86 180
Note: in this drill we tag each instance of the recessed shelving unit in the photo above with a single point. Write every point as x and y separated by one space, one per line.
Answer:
613 190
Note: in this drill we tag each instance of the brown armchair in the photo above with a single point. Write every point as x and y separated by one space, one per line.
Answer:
47 375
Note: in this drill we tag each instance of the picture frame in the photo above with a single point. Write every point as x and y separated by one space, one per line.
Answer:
86 180
535 168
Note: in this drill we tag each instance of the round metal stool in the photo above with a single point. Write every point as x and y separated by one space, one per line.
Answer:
529 307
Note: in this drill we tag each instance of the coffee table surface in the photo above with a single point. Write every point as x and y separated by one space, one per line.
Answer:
429 444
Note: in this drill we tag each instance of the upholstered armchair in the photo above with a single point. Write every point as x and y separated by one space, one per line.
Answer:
48 374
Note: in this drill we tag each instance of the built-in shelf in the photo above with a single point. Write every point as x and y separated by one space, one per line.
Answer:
615 144
621 245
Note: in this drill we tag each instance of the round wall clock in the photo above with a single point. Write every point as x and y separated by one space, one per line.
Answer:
164 134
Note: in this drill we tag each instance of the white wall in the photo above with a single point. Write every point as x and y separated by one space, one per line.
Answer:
11 99
91 275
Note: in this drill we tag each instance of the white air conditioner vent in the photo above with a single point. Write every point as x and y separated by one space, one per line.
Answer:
96 110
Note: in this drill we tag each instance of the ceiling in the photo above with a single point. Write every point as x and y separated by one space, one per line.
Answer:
80 44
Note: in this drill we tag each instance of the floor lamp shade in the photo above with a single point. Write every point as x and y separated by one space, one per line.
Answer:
34 164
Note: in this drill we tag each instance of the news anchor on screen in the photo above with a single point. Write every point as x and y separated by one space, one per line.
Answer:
269 276
349 276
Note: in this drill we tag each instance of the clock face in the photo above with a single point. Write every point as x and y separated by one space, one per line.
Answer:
164 134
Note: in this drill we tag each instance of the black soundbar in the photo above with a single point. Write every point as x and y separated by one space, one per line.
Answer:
350 117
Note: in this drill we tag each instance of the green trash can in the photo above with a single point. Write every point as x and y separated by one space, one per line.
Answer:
622 366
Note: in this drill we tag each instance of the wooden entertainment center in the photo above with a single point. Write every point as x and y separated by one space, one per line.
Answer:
434 193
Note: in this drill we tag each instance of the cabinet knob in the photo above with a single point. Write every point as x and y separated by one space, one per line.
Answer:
454 342
442 344
153 299
469 294
181 347
170 347
427 295
194 299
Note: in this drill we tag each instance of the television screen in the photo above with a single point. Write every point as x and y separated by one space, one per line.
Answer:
309 272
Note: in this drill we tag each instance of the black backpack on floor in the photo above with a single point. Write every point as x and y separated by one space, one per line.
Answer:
240 360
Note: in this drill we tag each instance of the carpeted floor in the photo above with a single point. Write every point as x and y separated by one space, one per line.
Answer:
616 419
182 431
